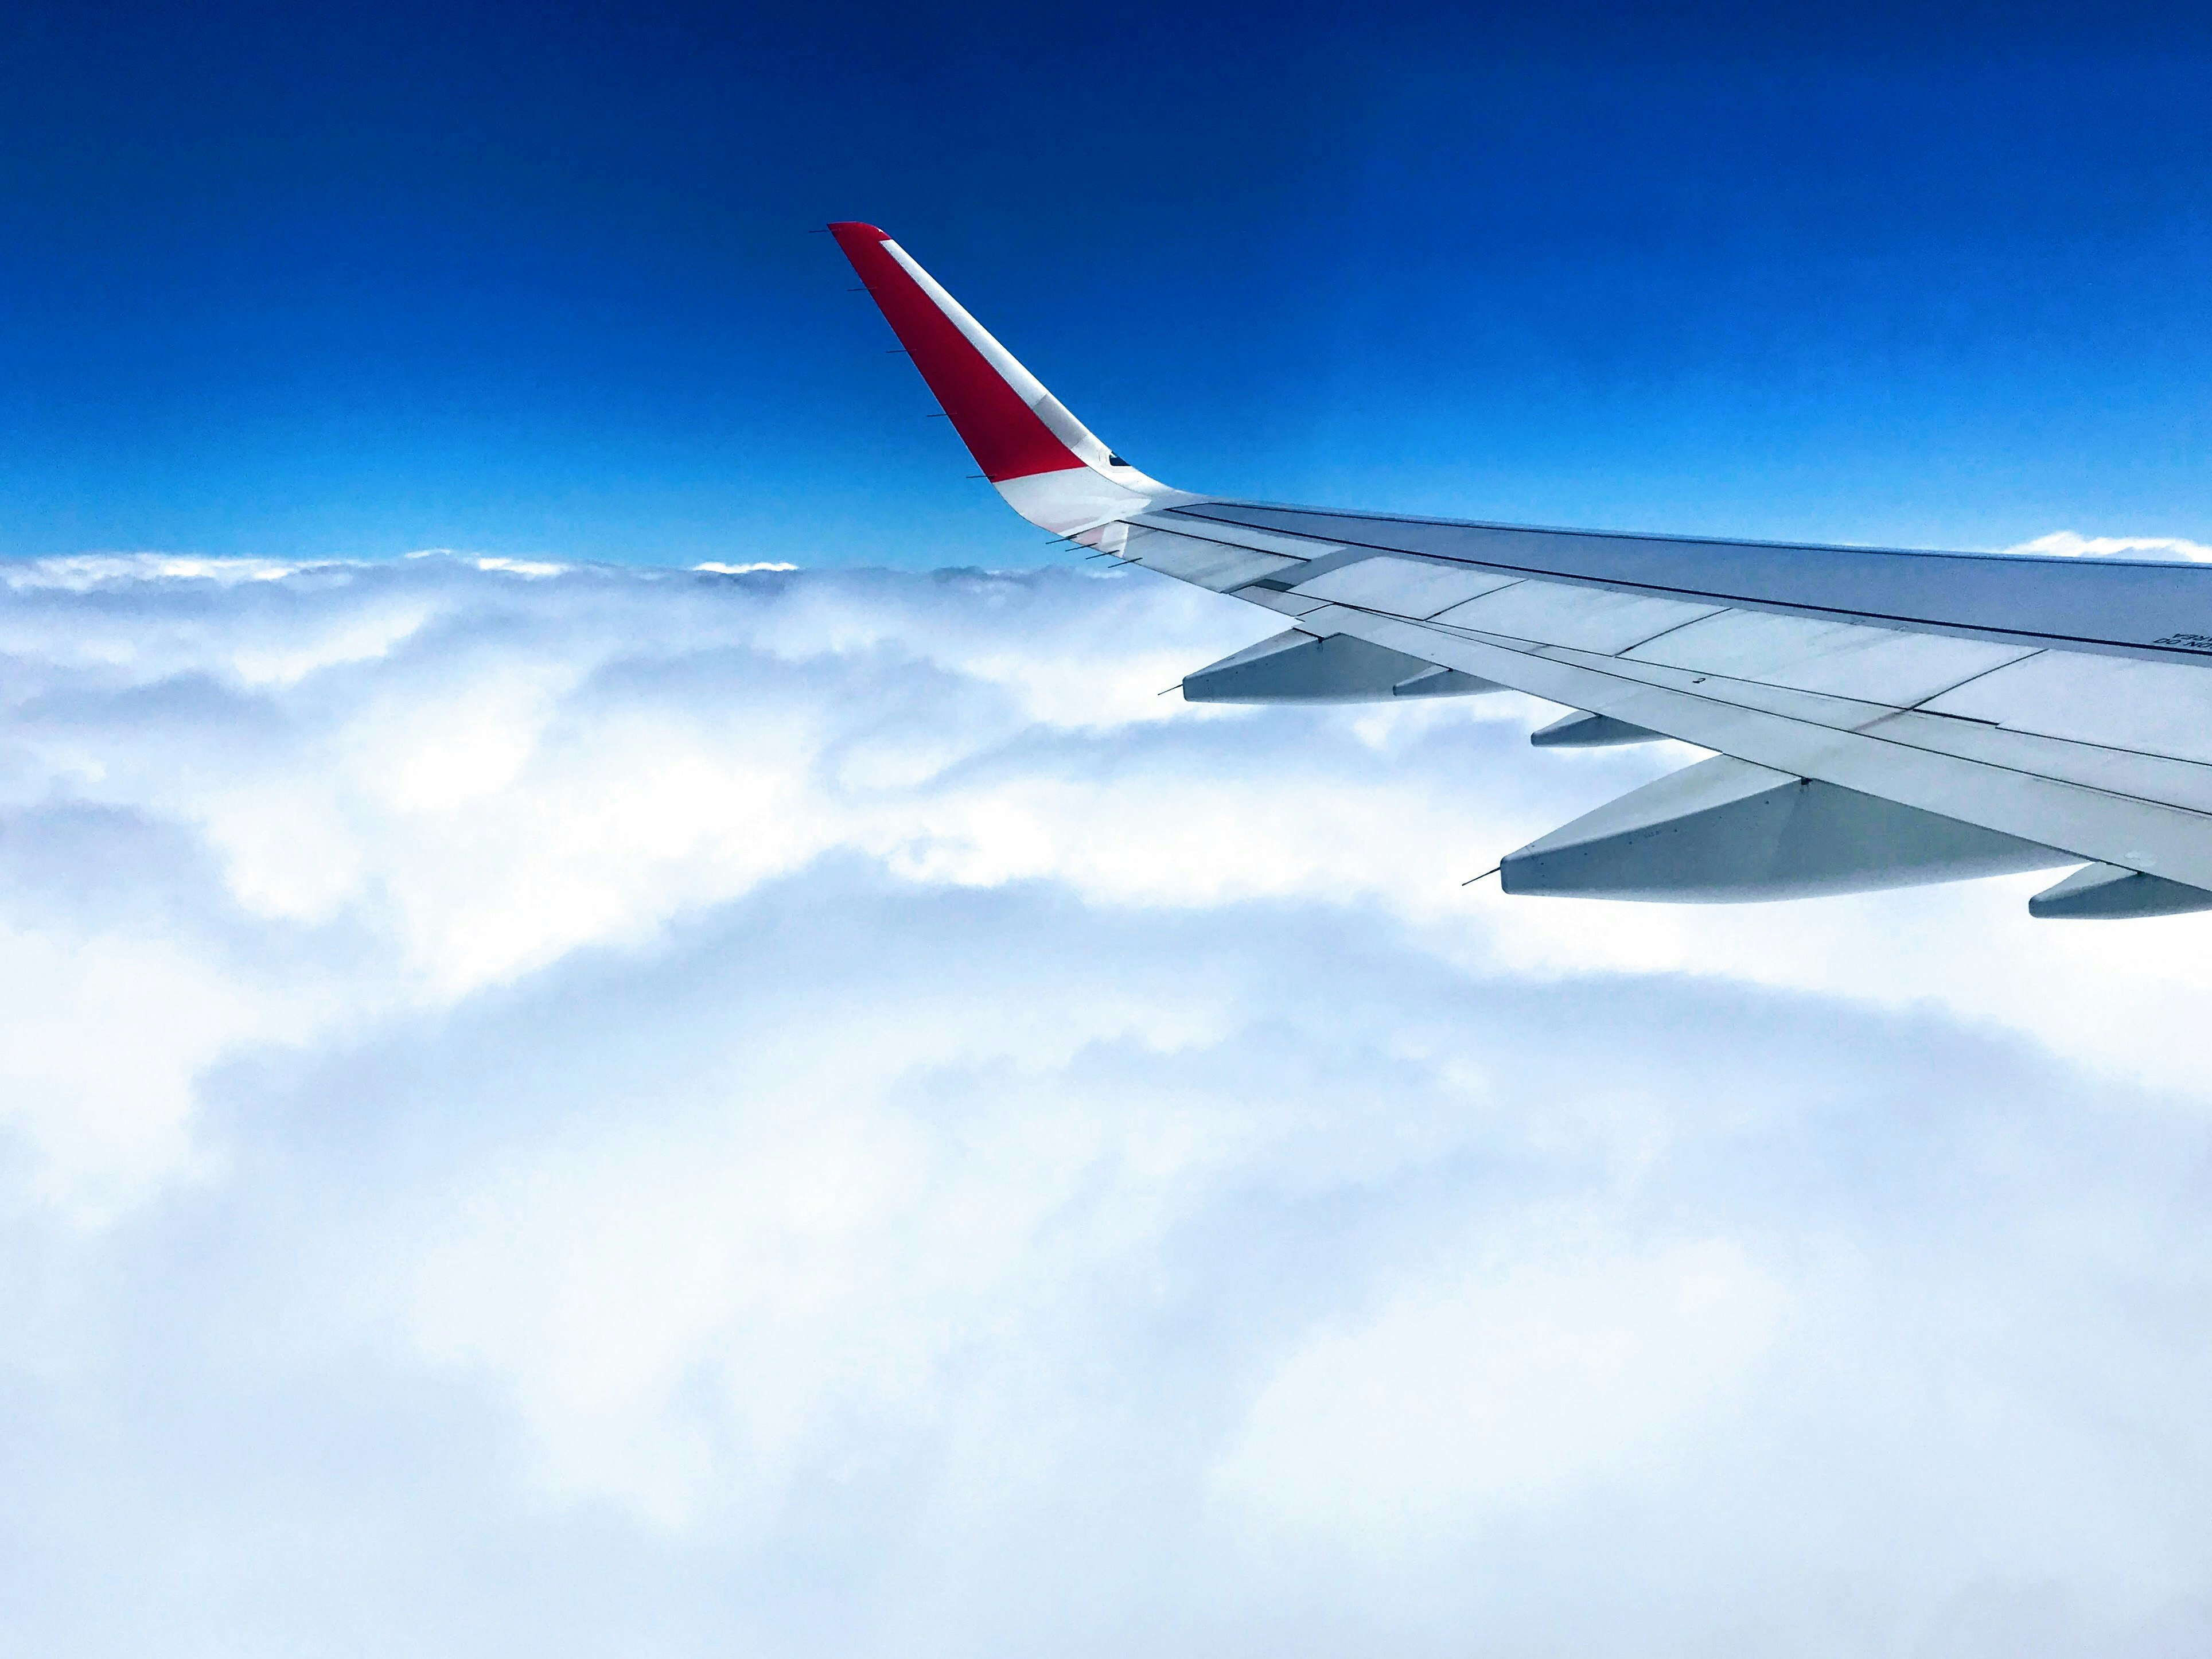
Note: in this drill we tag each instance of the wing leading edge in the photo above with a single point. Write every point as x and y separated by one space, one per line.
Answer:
1877 717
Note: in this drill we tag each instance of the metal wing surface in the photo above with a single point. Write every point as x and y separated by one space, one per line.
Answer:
1877 717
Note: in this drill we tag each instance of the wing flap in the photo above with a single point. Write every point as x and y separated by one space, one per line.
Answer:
2147 707
1404 587
1586 618
2091 822
1831 700
1845 659
1308 548
1220 566
2150 777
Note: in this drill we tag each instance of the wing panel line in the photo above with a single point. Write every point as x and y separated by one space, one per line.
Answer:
2091 821
1991 632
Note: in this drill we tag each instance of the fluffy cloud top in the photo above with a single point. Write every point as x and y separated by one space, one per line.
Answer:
559 1110
2072 545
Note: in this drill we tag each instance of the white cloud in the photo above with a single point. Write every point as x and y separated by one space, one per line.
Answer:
83 572
567 1107
1541 1373
2069 545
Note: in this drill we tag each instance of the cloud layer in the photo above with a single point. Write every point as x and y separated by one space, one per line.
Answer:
558 1110
2072 545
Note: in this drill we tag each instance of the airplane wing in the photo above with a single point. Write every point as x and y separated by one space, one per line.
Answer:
1877 718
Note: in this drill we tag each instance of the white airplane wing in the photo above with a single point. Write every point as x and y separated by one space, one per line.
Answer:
1878 718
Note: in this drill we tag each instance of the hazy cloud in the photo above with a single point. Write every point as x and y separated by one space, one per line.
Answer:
559 1109
2069 545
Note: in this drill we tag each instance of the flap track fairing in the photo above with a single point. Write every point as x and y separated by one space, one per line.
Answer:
1726 831
2106 892
1590 731
1296 666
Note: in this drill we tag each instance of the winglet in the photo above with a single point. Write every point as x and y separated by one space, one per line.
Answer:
1045 462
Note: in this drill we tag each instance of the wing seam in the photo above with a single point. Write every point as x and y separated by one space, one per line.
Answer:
1776 607
1569 653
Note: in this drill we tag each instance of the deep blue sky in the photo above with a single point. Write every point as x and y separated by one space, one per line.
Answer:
301 279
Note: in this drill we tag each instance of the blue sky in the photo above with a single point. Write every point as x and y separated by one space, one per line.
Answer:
303 281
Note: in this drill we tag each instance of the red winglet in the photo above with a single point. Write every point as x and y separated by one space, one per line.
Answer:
1002 432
